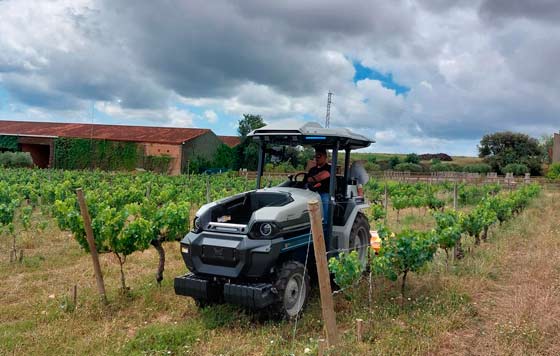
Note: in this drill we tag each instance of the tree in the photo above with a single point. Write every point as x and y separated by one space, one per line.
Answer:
249 123
412 158
224 157
393 161
247 152
546 142
502 148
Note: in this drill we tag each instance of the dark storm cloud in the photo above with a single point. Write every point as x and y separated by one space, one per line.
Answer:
445 5
545 10
207 49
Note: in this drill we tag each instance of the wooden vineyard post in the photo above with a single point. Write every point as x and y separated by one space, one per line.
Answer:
207 188
327 305
75 295
359 329
454 252
455 195
91 243
386 202
322 346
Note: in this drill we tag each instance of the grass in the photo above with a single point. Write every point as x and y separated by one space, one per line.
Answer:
503 298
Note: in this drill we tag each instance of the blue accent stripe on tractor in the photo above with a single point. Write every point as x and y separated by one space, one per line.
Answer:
296 242
315 137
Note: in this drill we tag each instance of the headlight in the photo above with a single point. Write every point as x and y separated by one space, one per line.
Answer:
266 229
196 224
185 249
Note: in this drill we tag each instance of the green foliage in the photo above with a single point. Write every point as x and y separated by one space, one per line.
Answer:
199 164
249 123
393 161
516 168
372 167
282 167
224 157
172 220
159 164
375 212
407 251
546 144
9 142
8 204
78 153
502 148
16 160
408 167
445 167
477 168
473 223
448 228
347 269
554 171
412 158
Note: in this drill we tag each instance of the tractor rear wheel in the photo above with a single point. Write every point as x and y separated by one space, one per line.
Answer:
359 239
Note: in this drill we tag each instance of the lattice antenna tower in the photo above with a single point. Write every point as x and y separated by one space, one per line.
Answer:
328 116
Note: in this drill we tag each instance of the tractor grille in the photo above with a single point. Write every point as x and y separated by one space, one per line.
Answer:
218 255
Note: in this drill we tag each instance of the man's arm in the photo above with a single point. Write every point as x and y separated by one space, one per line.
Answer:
319 177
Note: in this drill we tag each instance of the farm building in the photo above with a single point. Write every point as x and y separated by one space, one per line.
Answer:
556 148
66 145
231 141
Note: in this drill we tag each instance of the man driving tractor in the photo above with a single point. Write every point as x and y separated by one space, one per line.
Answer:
319 177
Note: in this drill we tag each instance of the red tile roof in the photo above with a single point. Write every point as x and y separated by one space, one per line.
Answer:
231 141
164 135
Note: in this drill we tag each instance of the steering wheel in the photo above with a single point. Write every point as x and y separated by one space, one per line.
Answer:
302 183
304 179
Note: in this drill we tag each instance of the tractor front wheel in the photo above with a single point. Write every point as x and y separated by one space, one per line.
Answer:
292 285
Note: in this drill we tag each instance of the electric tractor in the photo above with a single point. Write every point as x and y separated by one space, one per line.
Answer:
255 248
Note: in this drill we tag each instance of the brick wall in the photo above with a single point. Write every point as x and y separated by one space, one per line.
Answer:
157 149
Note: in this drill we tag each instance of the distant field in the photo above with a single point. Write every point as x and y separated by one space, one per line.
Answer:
380 157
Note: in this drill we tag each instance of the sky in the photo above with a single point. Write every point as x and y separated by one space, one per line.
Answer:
420 76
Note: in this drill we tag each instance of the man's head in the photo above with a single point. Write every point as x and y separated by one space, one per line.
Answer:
320 156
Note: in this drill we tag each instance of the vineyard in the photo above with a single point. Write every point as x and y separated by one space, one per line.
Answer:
433 232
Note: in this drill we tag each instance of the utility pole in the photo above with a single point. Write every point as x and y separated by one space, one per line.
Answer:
328 116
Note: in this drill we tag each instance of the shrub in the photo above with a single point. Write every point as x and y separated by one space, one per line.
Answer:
16 159
412 158
554 171
477 168
393 161
516 168
446 167
408 167
408 251
372 167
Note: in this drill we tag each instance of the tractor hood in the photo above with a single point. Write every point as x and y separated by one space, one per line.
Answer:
284 206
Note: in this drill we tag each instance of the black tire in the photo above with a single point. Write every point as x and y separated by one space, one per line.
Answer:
292 285
359 239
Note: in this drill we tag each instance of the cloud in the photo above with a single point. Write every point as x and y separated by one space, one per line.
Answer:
211 116
472 67
538 10
171 116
